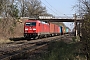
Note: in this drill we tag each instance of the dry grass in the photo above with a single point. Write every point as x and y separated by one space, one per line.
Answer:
2 41
64 51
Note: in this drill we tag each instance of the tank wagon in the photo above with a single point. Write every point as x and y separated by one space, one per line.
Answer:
38 29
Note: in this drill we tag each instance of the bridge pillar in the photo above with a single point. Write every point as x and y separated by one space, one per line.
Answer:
79 29
76 32
75 24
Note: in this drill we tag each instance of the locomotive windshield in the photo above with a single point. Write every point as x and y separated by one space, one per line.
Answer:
30 23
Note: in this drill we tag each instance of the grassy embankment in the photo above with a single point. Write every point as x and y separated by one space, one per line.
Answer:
64 51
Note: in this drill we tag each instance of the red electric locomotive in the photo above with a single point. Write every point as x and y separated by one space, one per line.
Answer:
35 29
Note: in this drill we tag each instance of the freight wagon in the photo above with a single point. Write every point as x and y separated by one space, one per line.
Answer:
67 30
61 30
54 29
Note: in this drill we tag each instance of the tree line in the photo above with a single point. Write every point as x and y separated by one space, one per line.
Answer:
22 8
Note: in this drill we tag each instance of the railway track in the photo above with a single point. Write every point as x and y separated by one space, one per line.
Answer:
14 50
18 54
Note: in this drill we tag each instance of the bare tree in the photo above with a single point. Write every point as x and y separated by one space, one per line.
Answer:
32 8
84 11
9 12
2 5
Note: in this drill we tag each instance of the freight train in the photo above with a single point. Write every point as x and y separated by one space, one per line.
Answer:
37 29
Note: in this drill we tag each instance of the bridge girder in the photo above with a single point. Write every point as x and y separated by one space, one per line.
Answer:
60 20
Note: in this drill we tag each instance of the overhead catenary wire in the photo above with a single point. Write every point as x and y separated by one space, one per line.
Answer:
51 9
55 8
51 5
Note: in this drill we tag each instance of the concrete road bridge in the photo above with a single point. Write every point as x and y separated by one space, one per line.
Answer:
59 19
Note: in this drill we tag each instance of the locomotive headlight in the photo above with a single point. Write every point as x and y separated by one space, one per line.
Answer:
25 32
34 28
26 29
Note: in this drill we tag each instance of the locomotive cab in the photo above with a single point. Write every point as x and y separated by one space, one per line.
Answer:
30 30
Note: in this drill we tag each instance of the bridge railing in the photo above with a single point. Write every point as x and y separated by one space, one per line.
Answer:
51 17
59 17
